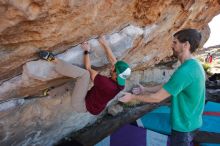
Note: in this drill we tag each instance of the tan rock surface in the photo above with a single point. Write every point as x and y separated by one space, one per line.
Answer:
139 31
29 25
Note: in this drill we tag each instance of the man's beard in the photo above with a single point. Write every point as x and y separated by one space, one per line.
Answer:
175 54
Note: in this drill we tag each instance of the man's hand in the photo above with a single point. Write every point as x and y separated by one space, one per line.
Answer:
128 97
85 46
138 90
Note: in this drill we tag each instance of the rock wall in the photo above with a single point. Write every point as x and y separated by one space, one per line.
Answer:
138 31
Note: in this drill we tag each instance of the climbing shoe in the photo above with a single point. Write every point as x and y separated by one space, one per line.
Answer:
40 94
46 92
46 55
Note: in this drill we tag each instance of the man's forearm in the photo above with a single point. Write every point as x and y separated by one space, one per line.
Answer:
147 98
153 97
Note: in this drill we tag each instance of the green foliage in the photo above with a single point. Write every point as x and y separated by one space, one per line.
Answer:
206 66
200 59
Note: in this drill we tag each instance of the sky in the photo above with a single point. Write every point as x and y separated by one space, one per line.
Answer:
214 38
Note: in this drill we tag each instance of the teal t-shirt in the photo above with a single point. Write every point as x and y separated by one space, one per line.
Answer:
187 87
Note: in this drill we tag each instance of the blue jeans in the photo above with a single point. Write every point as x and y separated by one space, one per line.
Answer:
182 138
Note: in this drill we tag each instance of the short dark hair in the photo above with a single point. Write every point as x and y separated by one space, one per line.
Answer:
191 35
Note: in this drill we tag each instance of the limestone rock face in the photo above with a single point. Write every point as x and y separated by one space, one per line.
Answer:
138 31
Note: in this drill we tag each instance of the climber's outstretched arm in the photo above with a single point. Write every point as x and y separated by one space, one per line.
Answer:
108 50
87 63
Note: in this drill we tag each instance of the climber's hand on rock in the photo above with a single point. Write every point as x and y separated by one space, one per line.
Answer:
139 89
85 46
102 40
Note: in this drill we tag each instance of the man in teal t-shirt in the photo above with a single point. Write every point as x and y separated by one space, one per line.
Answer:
188 96
186 88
